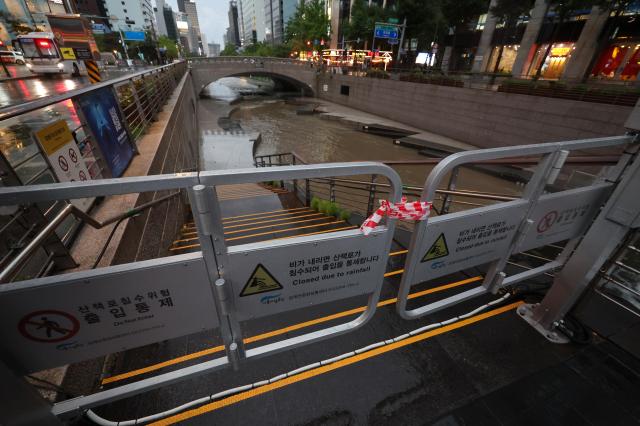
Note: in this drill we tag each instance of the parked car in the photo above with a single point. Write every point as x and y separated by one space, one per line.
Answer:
12 57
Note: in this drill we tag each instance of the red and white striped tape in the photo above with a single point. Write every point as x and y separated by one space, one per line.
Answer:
415 210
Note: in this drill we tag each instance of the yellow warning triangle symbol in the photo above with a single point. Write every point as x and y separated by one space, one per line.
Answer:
438 249
260 281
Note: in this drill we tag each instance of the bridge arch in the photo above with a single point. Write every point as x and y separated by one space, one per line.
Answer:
299 74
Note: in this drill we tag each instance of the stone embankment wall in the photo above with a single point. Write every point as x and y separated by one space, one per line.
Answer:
478 117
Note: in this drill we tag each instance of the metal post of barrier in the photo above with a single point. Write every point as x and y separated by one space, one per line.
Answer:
136 99
295 181
372 196
332 190
618 216
453 180
208 222
533 190
307 193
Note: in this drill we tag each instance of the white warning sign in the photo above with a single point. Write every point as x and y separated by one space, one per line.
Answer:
564 215
462 240
281 276
64 156
54 321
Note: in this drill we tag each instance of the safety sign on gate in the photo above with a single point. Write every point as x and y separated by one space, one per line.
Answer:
64 156
281 276
62 319
462 240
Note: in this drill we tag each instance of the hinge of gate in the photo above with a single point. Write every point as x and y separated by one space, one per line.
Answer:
521 234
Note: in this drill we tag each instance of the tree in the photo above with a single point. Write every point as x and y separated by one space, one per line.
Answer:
359 29
229 50
508 12
425 21
363 21
267 50
459 13
171 50
309 23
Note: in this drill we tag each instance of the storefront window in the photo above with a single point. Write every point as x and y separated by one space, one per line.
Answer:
554 63
619 61
632 70
505 59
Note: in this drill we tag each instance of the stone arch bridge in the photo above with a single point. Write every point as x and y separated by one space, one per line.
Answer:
300 74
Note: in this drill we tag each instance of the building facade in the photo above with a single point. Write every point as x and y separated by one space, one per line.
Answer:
191 11
233 31
22 16
253 21
214 49
273 18
94 10
130 15
603 44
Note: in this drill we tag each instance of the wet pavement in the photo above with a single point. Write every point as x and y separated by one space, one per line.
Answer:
14 92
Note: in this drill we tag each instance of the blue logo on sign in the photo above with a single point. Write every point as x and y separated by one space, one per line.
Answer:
437 265
271 299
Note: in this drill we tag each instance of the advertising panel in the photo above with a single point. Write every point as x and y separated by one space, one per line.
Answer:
101 112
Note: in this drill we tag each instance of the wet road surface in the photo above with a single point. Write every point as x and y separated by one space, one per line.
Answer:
13 92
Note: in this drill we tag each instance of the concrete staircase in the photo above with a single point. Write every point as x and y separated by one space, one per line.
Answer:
261 224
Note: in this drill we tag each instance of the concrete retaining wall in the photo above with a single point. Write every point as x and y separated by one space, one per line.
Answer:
478 117
172 146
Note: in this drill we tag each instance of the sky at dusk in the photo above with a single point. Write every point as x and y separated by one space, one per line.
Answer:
212 16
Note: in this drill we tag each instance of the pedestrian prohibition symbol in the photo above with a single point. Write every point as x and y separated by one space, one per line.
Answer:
64 165
260 281
437 250
48 326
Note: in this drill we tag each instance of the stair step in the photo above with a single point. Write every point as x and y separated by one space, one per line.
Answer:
197 245
252 221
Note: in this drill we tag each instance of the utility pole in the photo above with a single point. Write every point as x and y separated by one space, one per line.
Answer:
404 27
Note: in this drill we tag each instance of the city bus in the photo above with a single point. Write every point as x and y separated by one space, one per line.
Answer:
63 49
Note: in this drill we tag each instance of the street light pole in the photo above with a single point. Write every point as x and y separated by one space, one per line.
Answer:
404 27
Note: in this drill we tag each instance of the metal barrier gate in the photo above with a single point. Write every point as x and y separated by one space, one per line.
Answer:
53 321
453 242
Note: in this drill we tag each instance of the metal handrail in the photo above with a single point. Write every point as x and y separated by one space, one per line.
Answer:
16 110
68 210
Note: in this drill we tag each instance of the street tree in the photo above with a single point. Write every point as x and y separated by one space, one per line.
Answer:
458 14
507 13
229 50
309 23
171 50
363 20
425 21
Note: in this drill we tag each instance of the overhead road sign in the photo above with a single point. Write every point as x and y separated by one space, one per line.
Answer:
134 35
389 31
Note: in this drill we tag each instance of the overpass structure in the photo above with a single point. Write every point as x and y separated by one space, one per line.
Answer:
300 74
240 285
